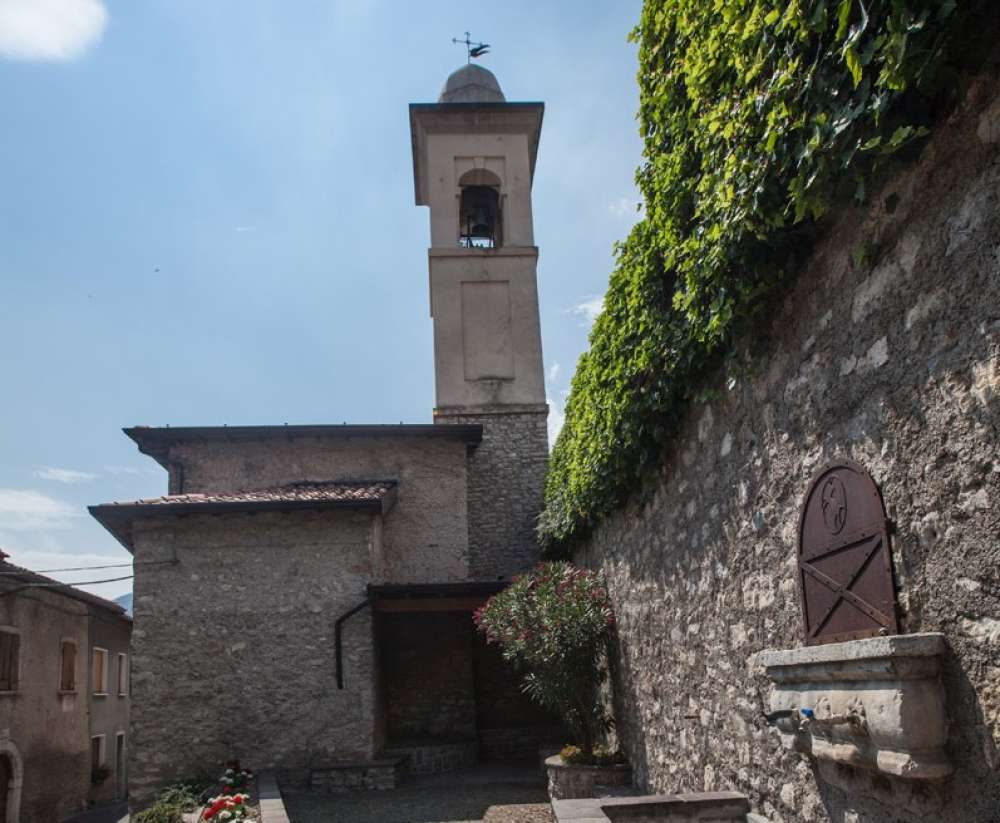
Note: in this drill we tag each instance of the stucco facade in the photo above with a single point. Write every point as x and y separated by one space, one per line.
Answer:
894 364
109 708
44 731
47 710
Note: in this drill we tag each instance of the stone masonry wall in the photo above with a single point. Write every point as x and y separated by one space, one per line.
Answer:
506 484
233 646
426 536
895 364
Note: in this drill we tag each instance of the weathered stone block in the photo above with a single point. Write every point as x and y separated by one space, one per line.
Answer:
875 704
569 781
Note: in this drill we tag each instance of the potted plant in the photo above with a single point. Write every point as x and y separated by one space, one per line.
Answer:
553 624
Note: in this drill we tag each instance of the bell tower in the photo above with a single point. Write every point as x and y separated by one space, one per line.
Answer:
473 164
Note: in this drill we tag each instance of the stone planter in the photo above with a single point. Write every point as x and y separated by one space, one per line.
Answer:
545 751
569 781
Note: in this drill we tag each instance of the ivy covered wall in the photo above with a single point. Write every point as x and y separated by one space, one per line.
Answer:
758 117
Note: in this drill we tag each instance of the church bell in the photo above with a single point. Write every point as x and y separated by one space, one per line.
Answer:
479 218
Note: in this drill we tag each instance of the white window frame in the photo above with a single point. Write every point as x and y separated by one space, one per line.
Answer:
104 673
122 674
17 682
102 750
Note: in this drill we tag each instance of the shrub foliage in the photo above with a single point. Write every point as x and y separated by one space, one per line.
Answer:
757 116
553 625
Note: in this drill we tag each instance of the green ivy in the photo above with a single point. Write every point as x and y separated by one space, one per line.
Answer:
758 116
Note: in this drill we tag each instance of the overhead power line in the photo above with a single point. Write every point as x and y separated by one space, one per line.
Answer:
57 585
95 568
76 569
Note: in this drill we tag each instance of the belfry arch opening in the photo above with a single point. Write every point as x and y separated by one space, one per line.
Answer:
480 217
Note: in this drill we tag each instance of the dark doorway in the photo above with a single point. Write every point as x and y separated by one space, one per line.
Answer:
120 766
6 773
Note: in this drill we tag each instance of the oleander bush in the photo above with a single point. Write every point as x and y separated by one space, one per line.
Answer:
553 624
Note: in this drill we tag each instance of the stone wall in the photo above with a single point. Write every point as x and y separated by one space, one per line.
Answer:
233 645
426 538
894 363
506 483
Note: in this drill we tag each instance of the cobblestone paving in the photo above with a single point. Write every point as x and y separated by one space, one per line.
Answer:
431 801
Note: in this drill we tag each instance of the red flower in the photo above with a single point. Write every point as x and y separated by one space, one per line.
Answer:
215 808
227 789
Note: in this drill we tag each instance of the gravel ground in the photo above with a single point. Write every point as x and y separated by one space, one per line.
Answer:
485 803
522 813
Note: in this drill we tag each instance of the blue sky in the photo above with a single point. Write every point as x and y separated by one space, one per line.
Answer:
206 217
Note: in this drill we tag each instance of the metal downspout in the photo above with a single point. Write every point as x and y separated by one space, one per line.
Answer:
338 643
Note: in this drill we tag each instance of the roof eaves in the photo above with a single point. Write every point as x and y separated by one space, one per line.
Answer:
35 580
155 441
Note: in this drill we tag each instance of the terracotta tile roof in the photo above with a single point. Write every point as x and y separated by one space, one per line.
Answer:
364 492
378 495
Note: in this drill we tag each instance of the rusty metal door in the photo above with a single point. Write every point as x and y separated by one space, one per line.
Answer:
845 564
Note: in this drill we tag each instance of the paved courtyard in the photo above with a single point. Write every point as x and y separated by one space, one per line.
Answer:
117 813
485 794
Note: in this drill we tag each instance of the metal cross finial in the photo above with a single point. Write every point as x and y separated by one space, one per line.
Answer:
474 49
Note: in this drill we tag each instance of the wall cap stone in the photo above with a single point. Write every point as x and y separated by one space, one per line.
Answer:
272 807
927 644
720 806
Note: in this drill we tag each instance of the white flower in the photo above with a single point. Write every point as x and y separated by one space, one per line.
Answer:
225 815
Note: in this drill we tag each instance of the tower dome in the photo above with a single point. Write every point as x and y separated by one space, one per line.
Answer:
471 84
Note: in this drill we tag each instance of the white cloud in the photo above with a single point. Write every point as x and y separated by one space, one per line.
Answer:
625 207
242 229
553 372
589 308
132 470
556 419
50 29
63 475
25 510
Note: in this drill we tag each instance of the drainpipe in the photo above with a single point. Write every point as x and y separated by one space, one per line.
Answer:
338 643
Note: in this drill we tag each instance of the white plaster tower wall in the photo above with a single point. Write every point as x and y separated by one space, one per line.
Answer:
484 303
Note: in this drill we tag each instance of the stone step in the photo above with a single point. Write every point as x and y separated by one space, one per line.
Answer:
720 807
372 775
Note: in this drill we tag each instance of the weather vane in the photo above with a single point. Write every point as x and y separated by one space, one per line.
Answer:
474 49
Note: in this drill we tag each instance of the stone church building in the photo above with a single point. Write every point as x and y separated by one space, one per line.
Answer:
303 594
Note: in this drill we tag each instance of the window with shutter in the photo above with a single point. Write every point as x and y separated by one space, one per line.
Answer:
10 647
122 674
100 671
